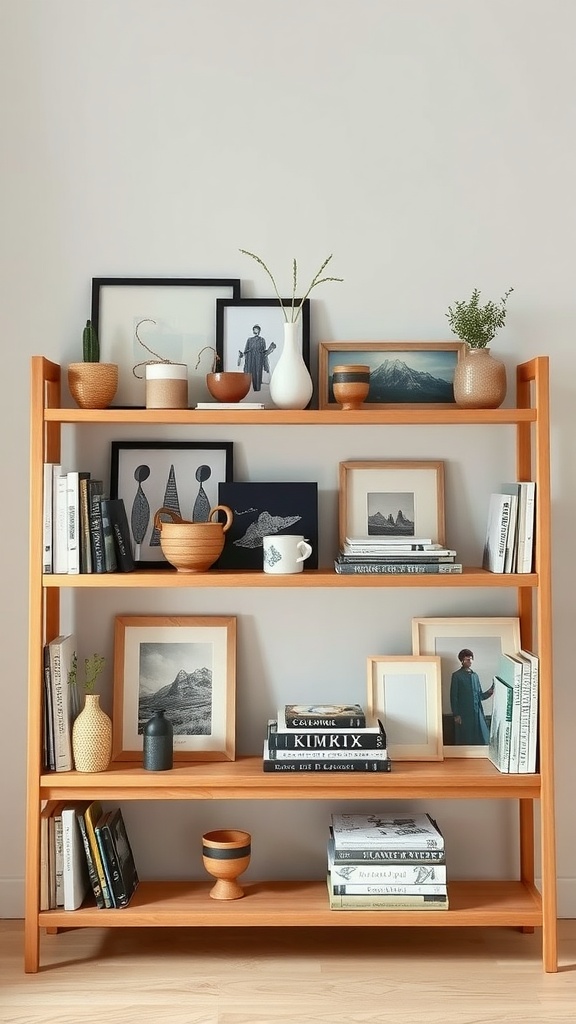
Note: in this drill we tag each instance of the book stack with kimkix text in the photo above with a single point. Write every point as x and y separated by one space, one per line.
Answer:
324 738
386 861
400 554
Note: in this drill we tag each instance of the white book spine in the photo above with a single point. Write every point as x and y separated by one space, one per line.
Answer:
60 558
526 526
60 710
73 522
47 517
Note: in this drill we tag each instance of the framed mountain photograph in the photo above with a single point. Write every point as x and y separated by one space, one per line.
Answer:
402 373
391 499
185 666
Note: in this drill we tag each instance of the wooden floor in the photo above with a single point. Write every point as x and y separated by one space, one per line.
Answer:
270 976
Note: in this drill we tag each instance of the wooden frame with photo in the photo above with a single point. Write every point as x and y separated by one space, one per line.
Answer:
404 693
236 323
379 499
180 475
425 379
184 665
487 638
184 313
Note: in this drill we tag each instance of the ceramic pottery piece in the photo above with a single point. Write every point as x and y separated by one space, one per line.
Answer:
92 737
192 547
226 854
351 385
93 385
479 380
291 384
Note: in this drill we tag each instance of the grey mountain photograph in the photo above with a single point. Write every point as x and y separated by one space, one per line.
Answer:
187 697
395 381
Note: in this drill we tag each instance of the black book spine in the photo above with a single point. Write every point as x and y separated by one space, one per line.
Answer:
96 529
110 856
121 533
92 873
310 740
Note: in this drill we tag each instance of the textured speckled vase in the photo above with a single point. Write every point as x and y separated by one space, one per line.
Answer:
92 737
479 380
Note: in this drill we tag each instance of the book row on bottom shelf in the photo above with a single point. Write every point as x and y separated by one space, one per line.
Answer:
376 861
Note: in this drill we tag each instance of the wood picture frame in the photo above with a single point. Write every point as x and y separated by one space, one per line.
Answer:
402 497
404 693
185 665
183 311
487 637
420 374
180 475
239 321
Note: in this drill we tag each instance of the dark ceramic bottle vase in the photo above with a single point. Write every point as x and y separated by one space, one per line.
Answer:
158 748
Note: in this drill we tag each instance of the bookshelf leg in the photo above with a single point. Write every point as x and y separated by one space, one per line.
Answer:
31 948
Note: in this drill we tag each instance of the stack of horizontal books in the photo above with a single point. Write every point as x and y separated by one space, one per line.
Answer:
389 861
325 738
395 554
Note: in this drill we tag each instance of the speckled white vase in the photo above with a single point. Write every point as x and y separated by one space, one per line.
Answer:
479 380
291 384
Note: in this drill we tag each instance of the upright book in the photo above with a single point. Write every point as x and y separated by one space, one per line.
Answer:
115 510
324 716
61 655
501 725
533 722
494 555
95 495
75 872
117 856
92 816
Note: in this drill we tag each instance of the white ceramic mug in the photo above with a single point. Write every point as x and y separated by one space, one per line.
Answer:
285 553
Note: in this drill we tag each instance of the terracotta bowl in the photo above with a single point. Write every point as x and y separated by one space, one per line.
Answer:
351 385
228 385
192 547
226 854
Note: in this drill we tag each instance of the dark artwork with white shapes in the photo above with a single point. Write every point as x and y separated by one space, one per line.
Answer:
264 509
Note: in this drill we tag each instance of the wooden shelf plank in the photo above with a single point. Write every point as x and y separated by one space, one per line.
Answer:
296 904
244 779
296 417
169 578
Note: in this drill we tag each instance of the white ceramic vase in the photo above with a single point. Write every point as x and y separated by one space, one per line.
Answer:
291 384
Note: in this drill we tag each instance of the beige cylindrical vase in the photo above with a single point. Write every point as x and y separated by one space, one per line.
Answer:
92 737
479 380
166 386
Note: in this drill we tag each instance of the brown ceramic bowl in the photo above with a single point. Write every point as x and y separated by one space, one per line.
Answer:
192 547
228 385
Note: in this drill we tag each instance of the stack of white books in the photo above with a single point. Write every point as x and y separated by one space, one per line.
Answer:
386 861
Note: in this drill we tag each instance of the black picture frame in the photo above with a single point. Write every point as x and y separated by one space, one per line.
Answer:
184 312
150 474
294 503
235 320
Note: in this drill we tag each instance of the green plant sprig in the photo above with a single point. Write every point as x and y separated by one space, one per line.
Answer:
295 310
92 668
475 324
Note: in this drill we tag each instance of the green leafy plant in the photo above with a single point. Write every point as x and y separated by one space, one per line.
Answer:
93 666
476 324
90 344
295 308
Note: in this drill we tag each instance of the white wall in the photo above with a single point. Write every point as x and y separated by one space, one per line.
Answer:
430 147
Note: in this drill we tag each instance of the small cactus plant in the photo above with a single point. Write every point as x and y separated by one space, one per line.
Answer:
90 344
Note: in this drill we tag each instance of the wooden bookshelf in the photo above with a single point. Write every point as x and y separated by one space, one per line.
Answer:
508 902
